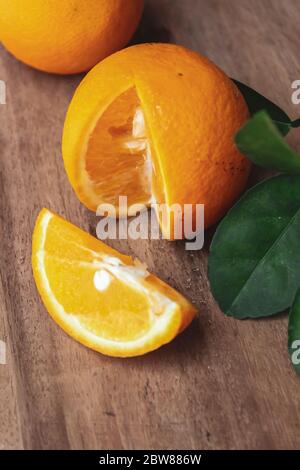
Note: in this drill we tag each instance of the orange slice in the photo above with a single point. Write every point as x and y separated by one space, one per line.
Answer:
156 123
103 299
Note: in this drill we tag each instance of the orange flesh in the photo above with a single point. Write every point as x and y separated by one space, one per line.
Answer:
102 298
118 159
120 312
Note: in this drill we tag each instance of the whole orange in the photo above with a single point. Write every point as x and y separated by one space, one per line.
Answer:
156 122
67 36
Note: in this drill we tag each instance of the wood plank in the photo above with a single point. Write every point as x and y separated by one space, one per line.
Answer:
222 383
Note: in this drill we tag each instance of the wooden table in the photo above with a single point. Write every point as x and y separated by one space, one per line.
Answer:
222 384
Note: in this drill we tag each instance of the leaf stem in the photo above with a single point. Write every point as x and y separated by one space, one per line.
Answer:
296 123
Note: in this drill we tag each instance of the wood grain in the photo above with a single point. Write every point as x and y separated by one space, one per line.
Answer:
223 384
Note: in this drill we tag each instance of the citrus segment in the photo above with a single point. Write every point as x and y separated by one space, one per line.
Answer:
100 297
118 154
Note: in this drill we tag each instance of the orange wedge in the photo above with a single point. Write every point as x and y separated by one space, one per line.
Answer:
101 298
156 123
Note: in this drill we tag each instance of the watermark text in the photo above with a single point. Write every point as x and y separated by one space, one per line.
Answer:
295 357
179 222
296 94
2 352
2 92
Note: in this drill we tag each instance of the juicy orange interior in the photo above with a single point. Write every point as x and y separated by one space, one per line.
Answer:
121 310
118 159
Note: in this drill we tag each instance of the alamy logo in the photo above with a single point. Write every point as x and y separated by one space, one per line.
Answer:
295 357
2 92
2 352
179 222
296 94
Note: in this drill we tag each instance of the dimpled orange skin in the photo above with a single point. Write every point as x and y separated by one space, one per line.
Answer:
68 36
192 111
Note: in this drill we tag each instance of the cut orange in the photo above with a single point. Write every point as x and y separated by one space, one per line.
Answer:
102 298
156 123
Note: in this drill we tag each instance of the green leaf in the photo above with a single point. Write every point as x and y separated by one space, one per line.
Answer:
294 333
262 143
254 262
257 102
